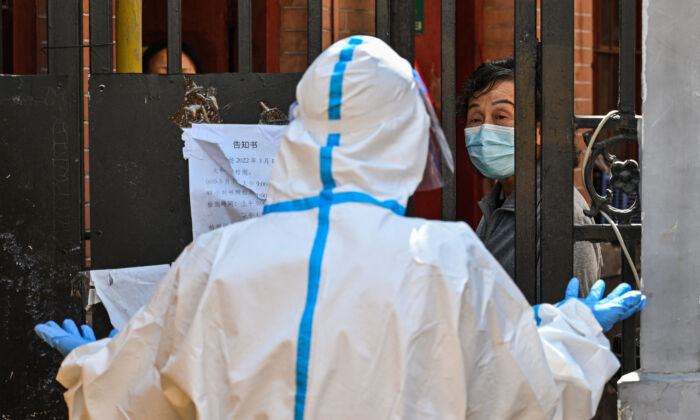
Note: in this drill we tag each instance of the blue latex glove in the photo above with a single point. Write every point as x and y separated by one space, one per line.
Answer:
620 304
67 338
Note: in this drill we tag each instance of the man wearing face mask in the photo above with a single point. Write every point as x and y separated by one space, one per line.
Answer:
488 104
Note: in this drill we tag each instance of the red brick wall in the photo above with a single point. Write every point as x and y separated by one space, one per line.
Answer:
583 57
353 17
293 35
341 18
498 17
583 73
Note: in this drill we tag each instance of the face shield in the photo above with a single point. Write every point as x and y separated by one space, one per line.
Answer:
438 149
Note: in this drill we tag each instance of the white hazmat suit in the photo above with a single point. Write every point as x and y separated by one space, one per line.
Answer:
333 305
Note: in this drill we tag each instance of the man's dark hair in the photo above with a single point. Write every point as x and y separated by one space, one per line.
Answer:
152 49
484 78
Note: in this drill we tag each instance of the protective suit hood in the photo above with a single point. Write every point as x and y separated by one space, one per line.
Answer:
382 128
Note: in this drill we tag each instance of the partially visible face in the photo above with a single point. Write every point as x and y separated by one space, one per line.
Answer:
497 106
159 63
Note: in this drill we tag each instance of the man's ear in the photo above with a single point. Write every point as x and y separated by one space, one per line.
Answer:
539 133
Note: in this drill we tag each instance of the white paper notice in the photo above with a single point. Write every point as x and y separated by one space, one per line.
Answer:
229 170
124 291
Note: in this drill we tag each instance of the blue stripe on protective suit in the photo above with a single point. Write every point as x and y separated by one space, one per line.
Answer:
319 246
309 203
336 91
304 339
326 162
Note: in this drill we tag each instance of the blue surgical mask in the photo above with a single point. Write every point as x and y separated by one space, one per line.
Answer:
492 149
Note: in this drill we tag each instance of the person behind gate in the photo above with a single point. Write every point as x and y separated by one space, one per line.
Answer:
488 106
333 305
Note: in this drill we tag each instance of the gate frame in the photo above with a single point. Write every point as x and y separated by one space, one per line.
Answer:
554 64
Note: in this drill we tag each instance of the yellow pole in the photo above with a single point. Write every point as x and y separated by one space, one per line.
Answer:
129 36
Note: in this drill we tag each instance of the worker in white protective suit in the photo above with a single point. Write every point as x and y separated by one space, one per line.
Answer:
333 305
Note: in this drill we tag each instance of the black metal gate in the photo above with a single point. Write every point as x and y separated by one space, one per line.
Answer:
549 67
140 211
40 216
139 188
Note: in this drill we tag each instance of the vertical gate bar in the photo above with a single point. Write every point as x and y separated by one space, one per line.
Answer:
244 36
557 147
64 27
314 28
402 29
174 36
627 37
402 40
629 326
448 103
1 42
101 36
526 149
382 22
